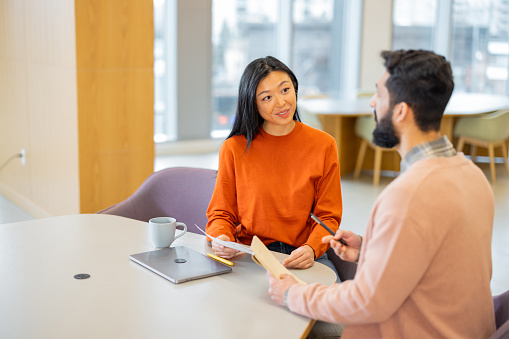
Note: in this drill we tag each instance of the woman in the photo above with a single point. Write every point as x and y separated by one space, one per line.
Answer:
274 171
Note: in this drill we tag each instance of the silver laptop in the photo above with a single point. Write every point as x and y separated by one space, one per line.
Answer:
180 264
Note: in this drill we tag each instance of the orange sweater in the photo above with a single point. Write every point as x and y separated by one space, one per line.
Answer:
270 189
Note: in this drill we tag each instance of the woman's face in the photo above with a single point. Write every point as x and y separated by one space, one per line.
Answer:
276 102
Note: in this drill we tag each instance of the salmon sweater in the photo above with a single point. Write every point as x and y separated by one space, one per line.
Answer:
425 264
269 189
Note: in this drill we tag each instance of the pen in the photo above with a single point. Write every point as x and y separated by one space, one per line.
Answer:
224 261
315 218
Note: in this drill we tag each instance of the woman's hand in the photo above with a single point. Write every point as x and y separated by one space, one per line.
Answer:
351 251
222 251
302 257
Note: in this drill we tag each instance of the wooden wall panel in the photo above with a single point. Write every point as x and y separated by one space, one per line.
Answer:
38 108
114 44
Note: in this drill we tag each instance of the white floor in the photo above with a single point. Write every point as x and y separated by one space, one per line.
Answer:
358 197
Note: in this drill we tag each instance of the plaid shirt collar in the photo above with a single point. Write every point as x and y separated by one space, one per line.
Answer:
437 148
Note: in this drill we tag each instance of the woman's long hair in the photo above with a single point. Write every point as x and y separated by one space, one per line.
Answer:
247 119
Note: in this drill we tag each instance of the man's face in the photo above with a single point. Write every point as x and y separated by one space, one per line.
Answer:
384 134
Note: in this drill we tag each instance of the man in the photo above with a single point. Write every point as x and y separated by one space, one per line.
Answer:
424 264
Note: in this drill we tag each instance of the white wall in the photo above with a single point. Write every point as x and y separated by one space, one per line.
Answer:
376 37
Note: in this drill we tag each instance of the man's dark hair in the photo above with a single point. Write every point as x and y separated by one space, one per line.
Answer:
423 80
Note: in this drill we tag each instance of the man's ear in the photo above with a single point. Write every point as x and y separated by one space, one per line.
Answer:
401 112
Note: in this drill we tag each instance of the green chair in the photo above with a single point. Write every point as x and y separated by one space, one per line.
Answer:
309 118
487 131
364 127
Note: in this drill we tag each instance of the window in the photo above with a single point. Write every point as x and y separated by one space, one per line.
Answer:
413 24
473 35
305 34
313 48
164 118
241 32
480 45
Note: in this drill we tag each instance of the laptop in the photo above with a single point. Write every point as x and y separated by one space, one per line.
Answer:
180 264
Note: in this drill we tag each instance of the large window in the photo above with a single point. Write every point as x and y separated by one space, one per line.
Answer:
413 24
480 45
164 118
241 31
304 34
472 34
307 35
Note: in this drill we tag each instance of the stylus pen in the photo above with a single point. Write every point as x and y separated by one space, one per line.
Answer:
315 218
222 260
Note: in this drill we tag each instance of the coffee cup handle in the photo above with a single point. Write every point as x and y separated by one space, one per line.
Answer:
183 231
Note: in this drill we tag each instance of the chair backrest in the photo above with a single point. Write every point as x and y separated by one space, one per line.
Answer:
489 127
502 332
364 127
309 118
501 304
346 270
181 192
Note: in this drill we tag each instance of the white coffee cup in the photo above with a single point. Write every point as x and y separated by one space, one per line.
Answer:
162 230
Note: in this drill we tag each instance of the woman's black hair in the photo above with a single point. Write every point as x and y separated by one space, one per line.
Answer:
247 119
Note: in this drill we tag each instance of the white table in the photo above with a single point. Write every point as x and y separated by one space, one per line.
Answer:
338 118
40 298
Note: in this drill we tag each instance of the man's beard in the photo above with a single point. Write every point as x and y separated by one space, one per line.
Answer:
384 134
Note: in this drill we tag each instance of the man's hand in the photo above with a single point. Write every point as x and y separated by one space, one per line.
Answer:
222 251
302 257
351 251
278 287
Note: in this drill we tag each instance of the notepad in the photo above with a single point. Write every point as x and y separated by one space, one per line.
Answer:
263 257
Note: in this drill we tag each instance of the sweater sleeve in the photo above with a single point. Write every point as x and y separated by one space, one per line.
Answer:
328 202
222 213
373 296
396 254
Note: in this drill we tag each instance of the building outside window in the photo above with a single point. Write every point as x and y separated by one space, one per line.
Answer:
472 34
297 32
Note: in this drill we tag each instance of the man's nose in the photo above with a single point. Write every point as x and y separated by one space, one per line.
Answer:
372 101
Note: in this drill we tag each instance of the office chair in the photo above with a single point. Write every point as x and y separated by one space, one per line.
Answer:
309 118
501 304
487 131
181 192
184 193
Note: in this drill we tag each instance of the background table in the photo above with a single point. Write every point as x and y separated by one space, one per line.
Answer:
338 119
39 297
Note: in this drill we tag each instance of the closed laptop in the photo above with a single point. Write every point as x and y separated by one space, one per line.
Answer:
180 264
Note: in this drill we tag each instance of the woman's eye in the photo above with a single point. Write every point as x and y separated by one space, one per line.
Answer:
286 90
266 98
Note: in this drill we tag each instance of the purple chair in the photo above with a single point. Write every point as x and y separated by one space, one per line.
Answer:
181 192
501 304
346 270
184 193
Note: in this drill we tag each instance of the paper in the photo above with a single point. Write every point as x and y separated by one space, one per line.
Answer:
229 244
263 257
